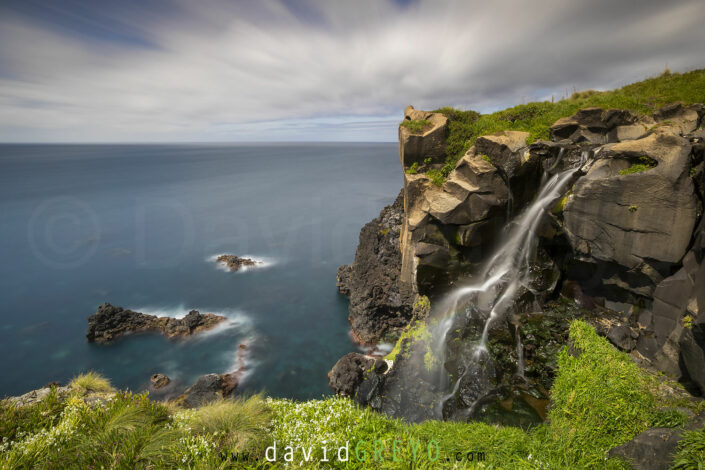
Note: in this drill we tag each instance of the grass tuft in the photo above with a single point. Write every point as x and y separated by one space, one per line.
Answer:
91 382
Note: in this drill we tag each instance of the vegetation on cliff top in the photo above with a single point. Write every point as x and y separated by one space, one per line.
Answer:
600 399
536 118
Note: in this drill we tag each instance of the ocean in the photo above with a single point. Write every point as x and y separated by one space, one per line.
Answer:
138 226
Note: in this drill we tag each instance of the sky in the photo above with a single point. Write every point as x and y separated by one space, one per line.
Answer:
314 70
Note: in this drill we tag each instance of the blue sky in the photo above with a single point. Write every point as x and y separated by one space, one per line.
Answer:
286 70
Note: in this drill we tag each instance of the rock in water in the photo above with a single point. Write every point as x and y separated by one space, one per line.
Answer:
234 263
159 381
110 322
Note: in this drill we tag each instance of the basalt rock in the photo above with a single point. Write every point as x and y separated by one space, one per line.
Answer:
430 143
634 227
110 322
380 303
235 263
349 372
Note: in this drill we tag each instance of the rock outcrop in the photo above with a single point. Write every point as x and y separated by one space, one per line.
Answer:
110 322
380 304
235 263
625 246
429 143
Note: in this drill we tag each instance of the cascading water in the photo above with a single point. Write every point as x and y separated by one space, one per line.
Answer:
499 282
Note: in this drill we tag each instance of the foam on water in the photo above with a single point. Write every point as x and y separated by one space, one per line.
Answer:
263 262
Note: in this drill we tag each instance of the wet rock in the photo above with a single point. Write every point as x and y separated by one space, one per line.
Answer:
235 263
349 372
621 336
380 304
109 322
158 381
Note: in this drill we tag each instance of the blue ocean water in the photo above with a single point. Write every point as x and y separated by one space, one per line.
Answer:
138 226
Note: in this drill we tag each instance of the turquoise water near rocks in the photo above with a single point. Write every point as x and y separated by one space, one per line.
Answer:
138 225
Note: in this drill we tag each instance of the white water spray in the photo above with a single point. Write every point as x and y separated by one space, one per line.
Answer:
503 275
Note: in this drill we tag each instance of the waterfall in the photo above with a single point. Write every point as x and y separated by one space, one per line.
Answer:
501 278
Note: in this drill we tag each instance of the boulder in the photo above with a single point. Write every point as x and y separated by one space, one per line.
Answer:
348 373
110 322
653 449
430 143
205 389
158 381
506 149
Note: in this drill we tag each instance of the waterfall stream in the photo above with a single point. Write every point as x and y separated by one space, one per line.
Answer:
500 280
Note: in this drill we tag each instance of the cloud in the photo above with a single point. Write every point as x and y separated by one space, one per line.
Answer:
314 70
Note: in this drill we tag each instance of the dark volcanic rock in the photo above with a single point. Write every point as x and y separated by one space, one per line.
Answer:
159 381
110 322
348 373
234 263
653 449
379 303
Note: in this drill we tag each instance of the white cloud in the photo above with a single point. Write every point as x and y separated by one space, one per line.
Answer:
262 71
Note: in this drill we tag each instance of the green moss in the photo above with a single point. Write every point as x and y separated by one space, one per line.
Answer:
560 205
645 163
633 208
485 158
416 126
413 169
414 331
687 321
437 177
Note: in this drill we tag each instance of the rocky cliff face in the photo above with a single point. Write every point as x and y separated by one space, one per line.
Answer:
380 303
625 247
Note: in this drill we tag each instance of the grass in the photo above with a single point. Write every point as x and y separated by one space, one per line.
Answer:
239 424
691 451
413 169
416 126
537 117
91 382
600 399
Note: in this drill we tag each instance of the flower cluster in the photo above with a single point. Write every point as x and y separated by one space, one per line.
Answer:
314 423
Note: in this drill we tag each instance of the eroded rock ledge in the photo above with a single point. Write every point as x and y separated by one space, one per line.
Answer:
110 322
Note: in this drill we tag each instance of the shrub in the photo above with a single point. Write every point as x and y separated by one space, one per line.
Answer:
91 382
416 126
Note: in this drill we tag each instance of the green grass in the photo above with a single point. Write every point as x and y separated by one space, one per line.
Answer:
416 126
239 424
413 169
536 118
600 399
91 382
691 451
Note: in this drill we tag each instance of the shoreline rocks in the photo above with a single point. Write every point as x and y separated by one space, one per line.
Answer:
110 322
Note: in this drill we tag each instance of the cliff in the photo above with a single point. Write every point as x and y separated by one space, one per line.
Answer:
622 247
